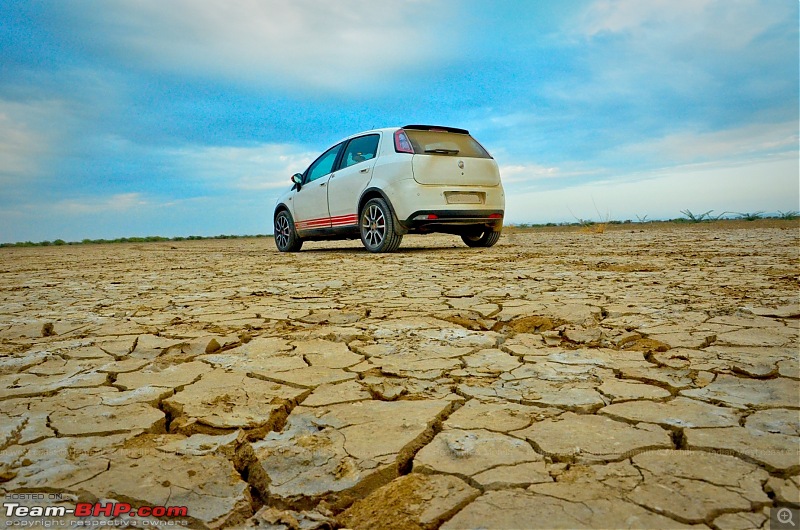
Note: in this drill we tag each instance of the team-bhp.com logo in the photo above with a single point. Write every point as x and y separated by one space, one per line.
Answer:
18 514
86 509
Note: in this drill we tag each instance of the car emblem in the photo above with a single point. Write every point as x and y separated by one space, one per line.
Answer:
461 164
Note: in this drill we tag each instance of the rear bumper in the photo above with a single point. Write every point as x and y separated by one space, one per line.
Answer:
410 199
453 220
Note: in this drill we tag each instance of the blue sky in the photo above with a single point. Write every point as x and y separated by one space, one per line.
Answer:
143 117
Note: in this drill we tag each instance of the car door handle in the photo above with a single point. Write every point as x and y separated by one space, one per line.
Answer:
323 184
365 170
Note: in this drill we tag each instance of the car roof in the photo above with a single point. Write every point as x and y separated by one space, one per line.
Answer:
436 128
412 127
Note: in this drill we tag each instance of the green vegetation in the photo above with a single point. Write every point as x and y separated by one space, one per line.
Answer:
696 218
750 216
587 224
688 217
591 226
148 239
541 225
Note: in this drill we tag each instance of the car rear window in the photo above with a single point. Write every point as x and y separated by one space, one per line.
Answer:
360 150
445 143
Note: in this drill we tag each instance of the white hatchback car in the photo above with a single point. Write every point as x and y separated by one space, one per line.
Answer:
379 185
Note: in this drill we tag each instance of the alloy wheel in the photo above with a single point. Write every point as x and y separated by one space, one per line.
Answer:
373 226
286 239
282 231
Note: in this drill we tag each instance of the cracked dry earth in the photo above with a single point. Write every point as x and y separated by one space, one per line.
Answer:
641 378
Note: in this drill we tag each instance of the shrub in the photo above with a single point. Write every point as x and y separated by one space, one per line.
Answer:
696 218
750 216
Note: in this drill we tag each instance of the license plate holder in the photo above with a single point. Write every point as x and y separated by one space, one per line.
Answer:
461 197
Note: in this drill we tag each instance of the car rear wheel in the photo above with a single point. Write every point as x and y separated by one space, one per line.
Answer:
286 238
487 238
377 227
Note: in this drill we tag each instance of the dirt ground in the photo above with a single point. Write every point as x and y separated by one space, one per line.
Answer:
645 377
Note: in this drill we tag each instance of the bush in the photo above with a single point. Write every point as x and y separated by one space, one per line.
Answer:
749 216
696 218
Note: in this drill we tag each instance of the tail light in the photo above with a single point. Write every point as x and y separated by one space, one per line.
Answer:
496 216
401 142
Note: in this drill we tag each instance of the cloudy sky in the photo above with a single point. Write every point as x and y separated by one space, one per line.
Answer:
144 117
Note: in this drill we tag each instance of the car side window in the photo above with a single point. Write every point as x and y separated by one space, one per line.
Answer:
360 149
323 165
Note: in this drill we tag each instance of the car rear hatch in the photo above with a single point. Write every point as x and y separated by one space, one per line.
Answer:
446 156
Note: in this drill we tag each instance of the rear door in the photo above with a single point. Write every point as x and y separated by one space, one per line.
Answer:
353 176
445 158
311 202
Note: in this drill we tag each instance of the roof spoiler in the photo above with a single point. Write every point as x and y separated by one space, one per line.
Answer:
436 128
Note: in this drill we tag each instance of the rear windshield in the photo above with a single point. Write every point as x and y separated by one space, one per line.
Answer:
445 143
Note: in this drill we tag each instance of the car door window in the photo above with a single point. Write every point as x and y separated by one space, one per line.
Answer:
360 149
323 165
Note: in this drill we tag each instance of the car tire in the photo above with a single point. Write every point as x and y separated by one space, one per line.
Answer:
487 238
286 238
377 227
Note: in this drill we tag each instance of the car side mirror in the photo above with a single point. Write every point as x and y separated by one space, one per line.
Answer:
297 180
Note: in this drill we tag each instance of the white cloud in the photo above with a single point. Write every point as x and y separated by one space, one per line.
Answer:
17 146
532 173
757 140
765 185
255 168
688 48
699 153
99 204
348 45
748 168
722 23
615 16
524 173
27 136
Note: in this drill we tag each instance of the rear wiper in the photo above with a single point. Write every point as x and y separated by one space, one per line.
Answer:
443 151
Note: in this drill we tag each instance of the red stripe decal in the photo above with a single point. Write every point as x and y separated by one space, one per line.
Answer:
325 222
344 220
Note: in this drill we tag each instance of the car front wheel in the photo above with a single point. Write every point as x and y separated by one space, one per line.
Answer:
286 238
377 227
487 238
